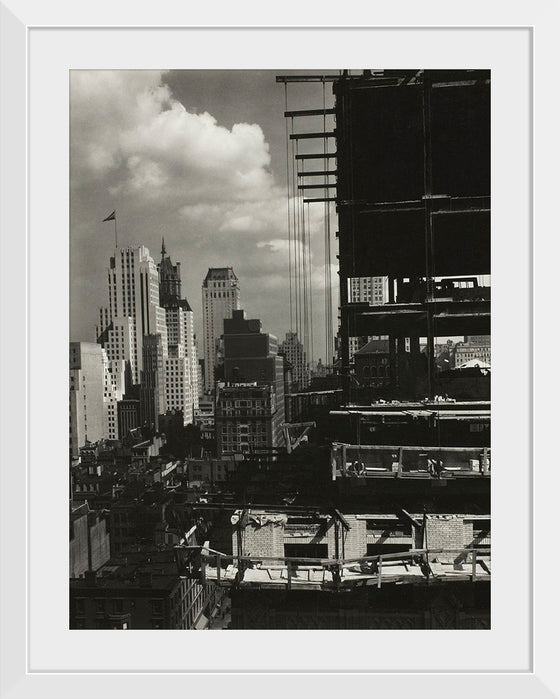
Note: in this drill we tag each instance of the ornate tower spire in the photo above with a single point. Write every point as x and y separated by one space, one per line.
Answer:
163 251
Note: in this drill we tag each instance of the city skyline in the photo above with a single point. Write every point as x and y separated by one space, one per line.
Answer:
196 157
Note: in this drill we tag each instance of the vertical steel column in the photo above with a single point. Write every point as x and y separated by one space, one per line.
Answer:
428 229
346 215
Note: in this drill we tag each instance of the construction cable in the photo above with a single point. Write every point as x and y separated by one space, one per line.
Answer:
295 236
305 337
325 216
299 252
290 271
310 356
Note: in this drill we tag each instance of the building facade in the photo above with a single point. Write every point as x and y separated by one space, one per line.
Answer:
371 290
144 303
296 357
247 419
96 386
134 309
181 363
141 591
250 407
89 540
466 352
371 364
220 297
153 384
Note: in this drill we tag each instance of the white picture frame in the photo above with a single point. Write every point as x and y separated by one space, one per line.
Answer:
40 657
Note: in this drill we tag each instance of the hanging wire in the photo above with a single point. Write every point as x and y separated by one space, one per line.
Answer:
290 271
299 250
295 236
310 355
327 231
305 315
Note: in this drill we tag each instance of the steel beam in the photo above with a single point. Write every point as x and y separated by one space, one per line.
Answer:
309 112
314 134
315 156
306 78
317 173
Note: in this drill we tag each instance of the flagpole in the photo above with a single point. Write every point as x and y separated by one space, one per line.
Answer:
115 220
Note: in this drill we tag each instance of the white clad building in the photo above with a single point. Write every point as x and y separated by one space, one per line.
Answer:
133 286
113 392
181 361
294 352
220 297
94 392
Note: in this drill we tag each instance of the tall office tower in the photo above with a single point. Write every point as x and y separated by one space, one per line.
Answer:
250 410
220 297
94 393
113 391
152 386
372 290
295 354
181 362
134 309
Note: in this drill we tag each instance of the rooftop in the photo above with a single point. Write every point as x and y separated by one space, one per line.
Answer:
220 273
153 570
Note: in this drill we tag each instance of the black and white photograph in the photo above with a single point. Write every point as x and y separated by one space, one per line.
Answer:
280 349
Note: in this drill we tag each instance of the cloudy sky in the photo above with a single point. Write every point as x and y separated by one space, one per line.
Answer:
198 157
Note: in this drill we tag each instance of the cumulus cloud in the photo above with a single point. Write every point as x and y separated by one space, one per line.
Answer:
178 172
128 123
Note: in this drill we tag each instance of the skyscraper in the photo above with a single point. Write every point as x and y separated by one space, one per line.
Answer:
181 361
133 310
153 385
145 303
250 407
295 354
220 297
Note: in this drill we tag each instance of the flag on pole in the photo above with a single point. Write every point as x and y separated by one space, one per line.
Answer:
110 217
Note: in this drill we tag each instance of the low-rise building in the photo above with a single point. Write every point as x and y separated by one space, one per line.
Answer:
141 591
466 352
371 364
209 470
89 540
248 419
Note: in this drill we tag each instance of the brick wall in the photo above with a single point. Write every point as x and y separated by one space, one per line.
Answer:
468 535
355 540
445 531
267 540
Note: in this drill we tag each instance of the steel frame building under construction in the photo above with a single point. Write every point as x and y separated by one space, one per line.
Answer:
404 539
